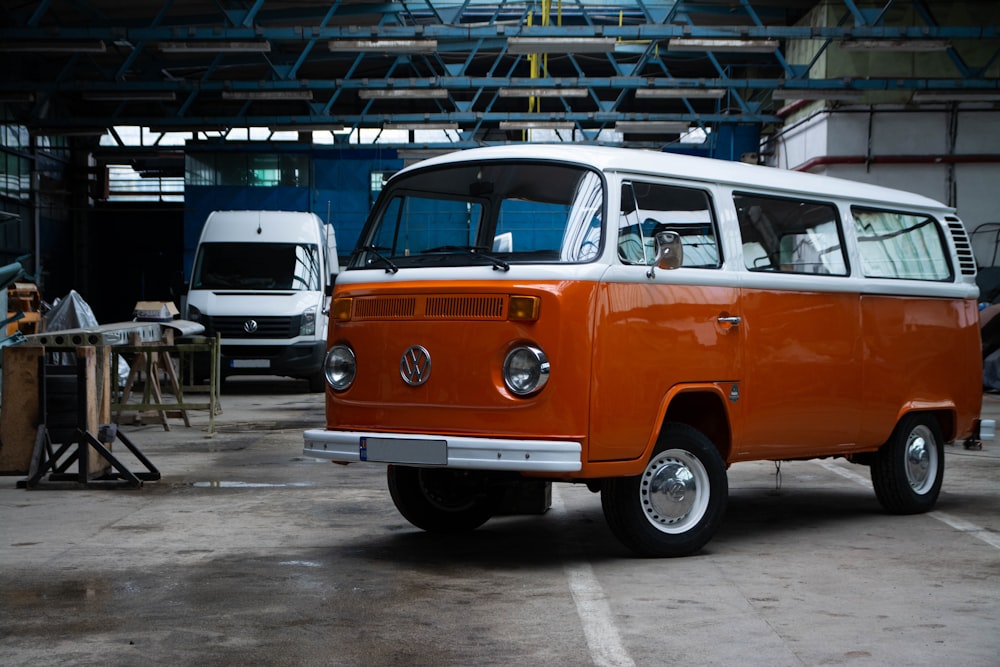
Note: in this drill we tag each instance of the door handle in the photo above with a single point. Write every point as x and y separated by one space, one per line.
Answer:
729 321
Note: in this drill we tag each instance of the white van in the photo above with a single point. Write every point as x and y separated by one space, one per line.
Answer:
262 281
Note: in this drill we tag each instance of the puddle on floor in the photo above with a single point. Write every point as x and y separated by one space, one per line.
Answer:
218 484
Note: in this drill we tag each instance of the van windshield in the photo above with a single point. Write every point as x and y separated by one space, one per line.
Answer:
486 212
257 266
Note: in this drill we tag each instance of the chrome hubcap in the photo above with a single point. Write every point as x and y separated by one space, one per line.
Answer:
921 459
674 491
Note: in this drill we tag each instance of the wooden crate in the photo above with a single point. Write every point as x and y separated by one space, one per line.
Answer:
24 298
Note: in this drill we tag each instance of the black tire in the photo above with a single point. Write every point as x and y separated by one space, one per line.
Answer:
907 470
443 500
677 504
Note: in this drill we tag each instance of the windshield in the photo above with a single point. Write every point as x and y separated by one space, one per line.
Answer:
486 213
257 266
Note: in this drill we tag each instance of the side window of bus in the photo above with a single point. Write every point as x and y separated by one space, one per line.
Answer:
900 245
650 208
790 235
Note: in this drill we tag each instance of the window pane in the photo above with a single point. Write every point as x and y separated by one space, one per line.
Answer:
257 266
414 225
467 214
790 235
900 245
649 208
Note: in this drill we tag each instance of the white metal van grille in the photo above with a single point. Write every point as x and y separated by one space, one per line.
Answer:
963 247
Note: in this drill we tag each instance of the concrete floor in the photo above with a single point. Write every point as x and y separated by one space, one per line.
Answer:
247 553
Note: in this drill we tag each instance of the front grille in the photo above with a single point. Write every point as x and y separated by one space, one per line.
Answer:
465 307
384 308
437 307
267 327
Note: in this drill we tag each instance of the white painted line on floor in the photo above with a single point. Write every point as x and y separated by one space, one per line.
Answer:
603 640
853 476
972 529
960 525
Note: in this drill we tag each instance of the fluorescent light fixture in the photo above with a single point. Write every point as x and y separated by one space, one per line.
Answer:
956 96
560 44
384 45
658 93
652 127
722 44
306 127
400 93
411 155
130 96
912 45
543 92
537 125
267 95
212 46
54 46
420 126
71 131
817 94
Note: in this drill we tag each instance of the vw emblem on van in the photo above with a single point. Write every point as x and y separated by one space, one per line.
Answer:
250 326
415 365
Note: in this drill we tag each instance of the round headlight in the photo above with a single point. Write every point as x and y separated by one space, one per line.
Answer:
525 370
340 367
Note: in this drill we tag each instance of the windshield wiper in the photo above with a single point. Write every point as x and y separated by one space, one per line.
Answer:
475 251
389 266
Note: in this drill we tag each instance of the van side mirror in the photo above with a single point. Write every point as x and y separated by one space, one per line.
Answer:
669 252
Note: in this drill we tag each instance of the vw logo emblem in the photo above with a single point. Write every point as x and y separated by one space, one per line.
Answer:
415 365
250 326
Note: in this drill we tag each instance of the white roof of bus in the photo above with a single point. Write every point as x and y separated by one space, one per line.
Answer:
702 169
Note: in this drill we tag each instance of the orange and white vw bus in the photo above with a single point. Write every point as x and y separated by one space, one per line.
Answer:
639 322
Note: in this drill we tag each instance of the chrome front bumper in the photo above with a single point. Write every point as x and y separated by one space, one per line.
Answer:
444 451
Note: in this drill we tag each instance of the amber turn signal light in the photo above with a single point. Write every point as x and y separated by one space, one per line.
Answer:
524 308
340 309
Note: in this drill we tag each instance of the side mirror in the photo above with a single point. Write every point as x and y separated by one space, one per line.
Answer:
669 252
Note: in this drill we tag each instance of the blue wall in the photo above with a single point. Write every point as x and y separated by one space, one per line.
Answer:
340 177
727 141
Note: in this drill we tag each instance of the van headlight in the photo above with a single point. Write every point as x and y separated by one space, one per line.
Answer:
308 327
340 367
193 314
525 370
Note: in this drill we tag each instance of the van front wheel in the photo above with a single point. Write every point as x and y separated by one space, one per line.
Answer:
441 500
675 506
908 469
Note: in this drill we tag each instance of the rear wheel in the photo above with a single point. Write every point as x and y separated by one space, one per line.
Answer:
676 505
443 500
908 469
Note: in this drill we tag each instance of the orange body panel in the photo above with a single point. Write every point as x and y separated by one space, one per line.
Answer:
650 338
803 374
465 393
801 392
922 354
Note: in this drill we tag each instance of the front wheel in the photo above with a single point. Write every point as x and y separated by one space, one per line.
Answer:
908 469
442 500
675 506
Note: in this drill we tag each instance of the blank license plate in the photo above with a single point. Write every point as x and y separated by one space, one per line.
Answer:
250 363
399 450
